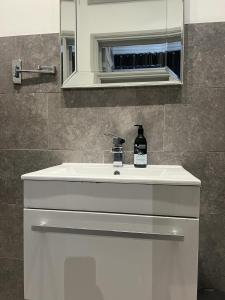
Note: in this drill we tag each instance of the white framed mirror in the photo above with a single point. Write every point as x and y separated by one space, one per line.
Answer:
109 43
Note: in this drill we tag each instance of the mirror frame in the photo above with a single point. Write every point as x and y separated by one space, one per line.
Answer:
70 82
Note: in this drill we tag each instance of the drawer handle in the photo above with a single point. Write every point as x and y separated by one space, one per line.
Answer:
113 233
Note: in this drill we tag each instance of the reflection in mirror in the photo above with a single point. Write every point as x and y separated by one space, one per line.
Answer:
132 58
68 33
121 42
175 38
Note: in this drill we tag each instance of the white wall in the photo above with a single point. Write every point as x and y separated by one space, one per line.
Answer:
21 17
201 11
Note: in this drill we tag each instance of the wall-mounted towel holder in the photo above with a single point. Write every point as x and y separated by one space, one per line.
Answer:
17 70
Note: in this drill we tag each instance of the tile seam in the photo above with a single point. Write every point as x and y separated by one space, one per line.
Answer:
107 150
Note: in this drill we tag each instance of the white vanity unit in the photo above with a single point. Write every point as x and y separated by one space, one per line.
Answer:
93 235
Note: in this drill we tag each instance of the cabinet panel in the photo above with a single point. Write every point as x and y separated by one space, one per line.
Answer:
162 200
100 256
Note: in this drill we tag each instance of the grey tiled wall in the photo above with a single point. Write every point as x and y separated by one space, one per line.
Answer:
41 126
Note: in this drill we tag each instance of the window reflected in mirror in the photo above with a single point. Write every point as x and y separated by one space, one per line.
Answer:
133 57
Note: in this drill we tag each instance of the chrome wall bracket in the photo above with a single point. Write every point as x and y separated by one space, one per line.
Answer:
17 70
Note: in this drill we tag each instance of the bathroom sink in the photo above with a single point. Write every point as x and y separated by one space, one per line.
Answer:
154 174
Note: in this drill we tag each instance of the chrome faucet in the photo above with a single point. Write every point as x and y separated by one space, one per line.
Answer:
117 150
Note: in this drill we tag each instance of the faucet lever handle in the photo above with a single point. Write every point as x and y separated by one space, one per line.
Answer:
116 139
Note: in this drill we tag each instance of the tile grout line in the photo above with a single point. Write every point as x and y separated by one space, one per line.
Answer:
28 93
164 119
60 91
73 150
48 119
11 258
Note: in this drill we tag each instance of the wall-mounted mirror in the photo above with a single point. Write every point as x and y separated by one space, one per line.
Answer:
107 43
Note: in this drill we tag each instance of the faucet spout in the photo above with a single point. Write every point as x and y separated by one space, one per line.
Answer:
117 150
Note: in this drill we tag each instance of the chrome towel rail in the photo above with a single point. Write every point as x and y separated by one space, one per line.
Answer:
17 70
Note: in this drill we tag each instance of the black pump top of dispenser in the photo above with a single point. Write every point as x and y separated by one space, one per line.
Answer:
140 129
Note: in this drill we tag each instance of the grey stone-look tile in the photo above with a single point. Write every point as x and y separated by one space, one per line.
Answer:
211 254
166 158
160 95
11 231
211 171
78 98
65 156
209 168
6 57
74 128
205 55
126 96
120 97
121 121
12 165
11 279
23 121
99 97
204 35
211 97
81 128
197 127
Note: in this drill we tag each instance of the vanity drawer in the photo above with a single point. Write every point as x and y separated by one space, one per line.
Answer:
99 256
163 200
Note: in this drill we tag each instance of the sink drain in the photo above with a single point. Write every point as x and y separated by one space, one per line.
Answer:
116 172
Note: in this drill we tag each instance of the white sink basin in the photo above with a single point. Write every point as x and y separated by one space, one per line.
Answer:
154 174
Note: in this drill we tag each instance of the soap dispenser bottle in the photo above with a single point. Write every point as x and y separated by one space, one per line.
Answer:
140 149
